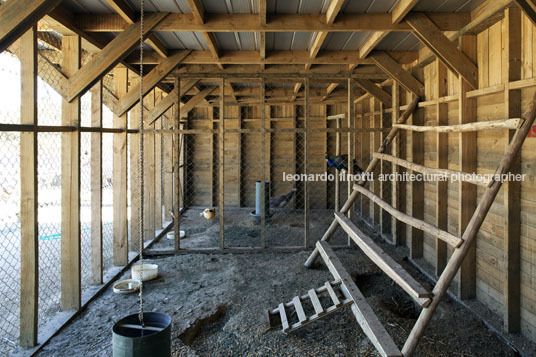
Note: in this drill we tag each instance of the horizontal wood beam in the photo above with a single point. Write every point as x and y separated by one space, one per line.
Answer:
110 56
17 16
398 73
375 91
277 23
432 37
150 81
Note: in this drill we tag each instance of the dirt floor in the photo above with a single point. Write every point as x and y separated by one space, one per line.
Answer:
218 305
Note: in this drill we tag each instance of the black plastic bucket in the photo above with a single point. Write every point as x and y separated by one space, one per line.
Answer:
130 340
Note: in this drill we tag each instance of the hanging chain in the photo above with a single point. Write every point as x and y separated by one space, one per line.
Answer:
141 168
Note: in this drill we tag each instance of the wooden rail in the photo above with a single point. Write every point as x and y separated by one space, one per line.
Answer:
461 128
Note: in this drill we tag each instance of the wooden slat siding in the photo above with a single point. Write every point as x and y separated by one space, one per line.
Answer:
29 261
398 73
511 71
110 56
150 81
364 314
178 154
337 153
18 17
134 152
149 174
430 35
467 161
375 122
221 162
417 187
96 185
469 234
306 148
388 265
70 187
350 118
120 178
158 171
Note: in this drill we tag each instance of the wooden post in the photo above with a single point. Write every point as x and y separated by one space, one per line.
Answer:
467 159
375 122
417 187
306 163
120 205
221 143
385 219
337 153
239 160
396 226
96 185
28 177
511 71
350 117
134 152
213 170
178 146
265 169
149 173
168 168
365 151
70 186
442 162
158 173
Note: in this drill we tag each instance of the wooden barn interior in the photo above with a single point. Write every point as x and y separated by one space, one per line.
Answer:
268 177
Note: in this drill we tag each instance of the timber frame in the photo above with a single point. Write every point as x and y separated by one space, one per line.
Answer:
376 91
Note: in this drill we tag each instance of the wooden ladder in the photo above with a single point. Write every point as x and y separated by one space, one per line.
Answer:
461 245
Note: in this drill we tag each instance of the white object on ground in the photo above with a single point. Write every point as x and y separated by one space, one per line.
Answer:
171 235
150 271
126 286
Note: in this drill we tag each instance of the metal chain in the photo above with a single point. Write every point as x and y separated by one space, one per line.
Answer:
141 168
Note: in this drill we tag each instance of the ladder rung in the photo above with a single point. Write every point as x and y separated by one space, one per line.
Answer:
414 222
394 270
331 292
319 310
364 314
283 315
299 309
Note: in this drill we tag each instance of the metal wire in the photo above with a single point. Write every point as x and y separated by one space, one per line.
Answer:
141 168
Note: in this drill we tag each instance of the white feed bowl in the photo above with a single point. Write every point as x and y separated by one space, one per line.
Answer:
126 286
171 235
150 271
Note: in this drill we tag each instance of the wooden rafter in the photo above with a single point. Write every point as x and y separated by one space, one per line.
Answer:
17 16
398 73
262 34
331 87
198 11
162 106
124 10
277 23
375 91
150 81
432 37
196 99
372 42
402 9
332 12
110 56
529 8
296 89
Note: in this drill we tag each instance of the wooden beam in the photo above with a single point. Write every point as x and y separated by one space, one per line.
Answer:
511 71
306 153
196 99
397 228
416 139
432 37
149 174
402 9
467 160
158 167
529 8
70 186
331 87
168 101
262 35
134 152
278 23
198 12
350 120
371 88
398 73
150 81
371 43
119 176
18 16
221 162
124 10
110 56
29 245
178 156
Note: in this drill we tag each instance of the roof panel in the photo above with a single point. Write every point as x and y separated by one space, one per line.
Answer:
227 41
447 5
287 41
344 41
175 6
399 41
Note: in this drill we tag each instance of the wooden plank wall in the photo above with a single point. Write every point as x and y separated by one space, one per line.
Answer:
491 251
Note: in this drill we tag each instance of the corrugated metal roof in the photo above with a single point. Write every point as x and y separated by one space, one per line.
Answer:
447 5
288 41
236 41
399 41
231 6
344 41
296 6
368 6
